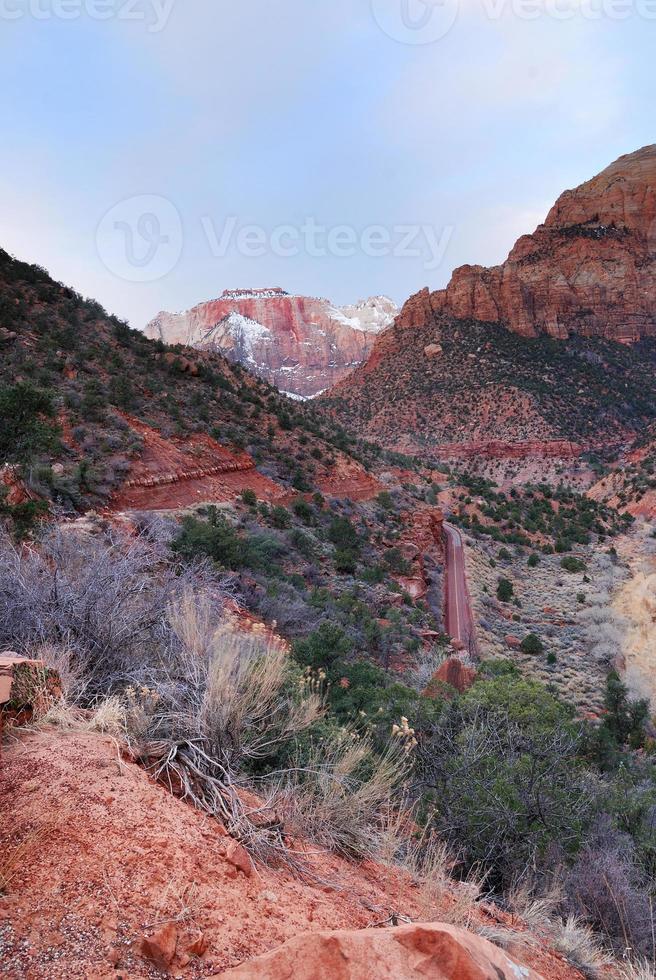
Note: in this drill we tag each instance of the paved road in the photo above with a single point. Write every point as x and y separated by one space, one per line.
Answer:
459 619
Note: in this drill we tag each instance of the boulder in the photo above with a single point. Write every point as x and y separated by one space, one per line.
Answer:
454 673
433 350
239 858
441 952
160 948
26 684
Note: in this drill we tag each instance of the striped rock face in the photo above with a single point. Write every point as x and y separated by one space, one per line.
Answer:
590 269
301 344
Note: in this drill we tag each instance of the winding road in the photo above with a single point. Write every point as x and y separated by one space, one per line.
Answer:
459 619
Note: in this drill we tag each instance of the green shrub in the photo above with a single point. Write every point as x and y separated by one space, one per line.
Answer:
572 564
345 561
280 517
505 590
25 431
303 510
249 497
532 645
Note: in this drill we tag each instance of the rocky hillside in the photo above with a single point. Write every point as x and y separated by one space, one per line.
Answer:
590 269
572 371
300 344
464 389
95 414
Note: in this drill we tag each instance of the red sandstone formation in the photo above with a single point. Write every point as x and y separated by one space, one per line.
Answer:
175 473
440 951
454 673
12 487
300 344
589 269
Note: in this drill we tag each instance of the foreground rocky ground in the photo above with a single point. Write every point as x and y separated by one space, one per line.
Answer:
103 859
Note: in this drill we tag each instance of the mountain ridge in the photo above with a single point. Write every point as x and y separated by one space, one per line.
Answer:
301 344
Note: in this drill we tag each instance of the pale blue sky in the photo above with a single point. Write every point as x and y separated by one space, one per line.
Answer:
270 112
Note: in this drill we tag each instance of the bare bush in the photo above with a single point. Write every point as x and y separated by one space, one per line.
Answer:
338 796
607 890
103 597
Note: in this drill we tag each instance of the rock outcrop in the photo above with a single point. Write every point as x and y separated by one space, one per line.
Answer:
442 952
590 269
300 344
545 357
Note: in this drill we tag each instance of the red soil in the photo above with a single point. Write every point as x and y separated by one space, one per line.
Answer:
109 857
174 473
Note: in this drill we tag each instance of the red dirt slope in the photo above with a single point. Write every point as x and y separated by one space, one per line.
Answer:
109 858
173 473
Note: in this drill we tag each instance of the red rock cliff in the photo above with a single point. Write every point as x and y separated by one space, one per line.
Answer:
300 344
589 269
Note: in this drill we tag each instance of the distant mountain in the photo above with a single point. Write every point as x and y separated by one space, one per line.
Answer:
95 414
301 344
550 354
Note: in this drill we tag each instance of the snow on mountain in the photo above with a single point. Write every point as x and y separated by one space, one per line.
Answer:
301 344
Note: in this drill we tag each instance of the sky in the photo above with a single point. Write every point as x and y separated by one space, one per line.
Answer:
157 152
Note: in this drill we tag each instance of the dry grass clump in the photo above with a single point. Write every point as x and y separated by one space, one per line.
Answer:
338 796
580 946
641 970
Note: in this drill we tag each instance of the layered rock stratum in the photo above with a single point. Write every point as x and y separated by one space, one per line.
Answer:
590 269
548 355
301 344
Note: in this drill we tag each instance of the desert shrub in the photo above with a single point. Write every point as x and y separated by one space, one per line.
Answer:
343 792
606 889
384 499
532 645
304 543
303 511
213 538
572 564
580 947
249 497
395 562
533 560
103 598
26 429
503 766
343 535
345 562
624 718
280 517
322 647
505 590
